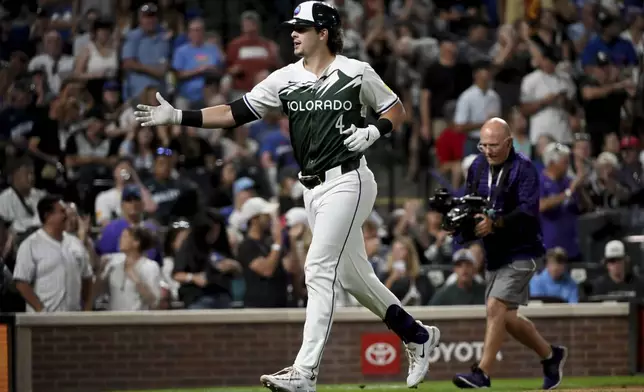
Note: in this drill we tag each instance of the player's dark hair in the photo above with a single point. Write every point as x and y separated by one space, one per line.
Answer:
335 42
46 206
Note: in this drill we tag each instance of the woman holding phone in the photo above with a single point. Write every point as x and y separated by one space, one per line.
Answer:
402 274
132 281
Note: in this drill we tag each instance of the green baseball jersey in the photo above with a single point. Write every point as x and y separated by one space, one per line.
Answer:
319 109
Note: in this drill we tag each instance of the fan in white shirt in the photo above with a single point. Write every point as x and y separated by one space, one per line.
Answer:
132 281
56 65
99 58
544 96
53 272
18 202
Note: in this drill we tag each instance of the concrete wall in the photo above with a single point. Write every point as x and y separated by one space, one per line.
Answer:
105 351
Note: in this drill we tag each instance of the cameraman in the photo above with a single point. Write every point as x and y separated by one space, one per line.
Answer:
511 235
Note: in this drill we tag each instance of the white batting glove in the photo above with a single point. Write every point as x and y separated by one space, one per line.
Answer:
164 114
360 138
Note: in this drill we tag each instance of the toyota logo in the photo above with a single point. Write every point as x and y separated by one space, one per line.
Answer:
380 354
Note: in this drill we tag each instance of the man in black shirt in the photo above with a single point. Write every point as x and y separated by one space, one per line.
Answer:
618 283
265 270
174 197
444 81
602 100
90 153
17 119
203 264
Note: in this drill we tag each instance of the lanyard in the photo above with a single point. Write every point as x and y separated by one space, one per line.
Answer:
489 184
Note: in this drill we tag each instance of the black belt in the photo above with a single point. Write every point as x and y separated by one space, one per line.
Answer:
313 180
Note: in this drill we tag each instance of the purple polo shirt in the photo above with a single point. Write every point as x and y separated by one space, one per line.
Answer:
111 235
559 224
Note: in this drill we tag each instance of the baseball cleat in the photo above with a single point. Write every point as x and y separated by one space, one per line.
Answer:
418 356
474 380
287 380
553 367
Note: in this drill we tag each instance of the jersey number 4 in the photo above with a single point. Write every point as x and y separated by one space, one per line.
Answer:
338 124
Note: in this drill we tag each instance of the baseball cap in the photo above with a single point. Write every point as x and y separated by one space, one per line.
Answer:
601 59
605 19
614 250
607 157
243 184
130 193
149 9
629 142
296 215
255 206
314 14
111 85
557 254
463 255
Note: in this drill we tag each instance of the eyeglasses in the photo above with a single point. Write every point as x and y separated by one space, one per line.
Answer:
580 136
182 224
164 151
483 147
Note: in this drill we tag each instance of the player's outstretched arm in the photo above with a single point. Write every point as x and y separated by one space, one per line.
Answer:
220 116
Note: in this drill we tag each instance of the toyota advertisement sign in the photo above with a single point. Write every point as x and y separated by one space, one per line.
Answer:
381 353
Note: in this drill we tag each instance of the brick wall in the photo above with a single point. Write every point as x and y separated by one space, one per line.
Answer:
102 358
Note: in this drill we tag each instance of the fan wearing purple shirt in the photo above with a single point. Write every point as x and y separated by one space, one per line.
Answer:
510 233
132 215
560 201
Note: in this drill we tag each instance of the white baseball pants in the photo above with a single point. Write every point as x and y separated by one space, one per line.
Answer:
337 258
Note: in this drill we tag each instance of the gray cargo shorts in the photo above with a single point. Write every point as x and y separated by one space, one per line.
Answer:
511 283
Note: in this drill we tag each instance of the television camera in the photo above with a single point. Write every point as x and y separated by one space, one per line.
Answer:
459 213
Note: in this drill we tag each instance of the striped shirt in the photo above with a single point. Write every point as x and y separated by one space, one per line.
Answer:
55 270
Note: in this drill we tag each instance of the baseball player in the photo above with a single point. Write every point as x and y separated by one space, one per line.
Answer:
325 96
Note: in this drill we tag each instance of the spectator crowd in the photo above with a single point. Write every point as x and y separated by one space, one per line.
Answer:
99 213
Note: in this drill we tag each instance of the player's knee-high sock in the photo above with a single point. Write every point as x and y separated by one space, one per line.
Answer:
405 326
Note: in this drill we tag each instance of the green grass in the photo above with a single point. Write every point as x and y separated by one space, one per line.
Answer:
589 383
